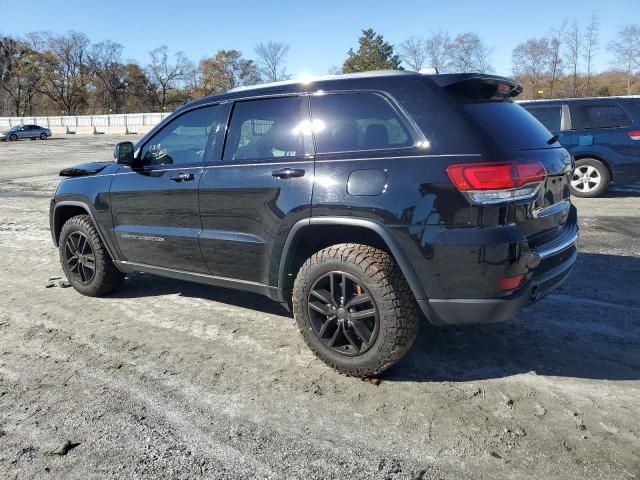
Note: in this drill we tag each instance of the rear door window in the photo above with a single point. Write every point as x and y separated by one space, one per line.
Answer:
550 116
347 122
600 115
266 129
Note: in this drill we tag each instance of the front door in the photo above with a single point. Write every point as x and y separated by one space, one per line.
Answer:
259 187
155 207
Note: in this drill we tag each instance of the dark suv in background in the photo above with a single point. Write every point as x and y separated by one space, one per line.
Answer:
602 134
360 201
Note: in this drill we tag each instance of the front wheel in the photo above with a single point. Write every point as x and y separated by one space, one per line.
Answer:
355 309
13 138
590 178
85 260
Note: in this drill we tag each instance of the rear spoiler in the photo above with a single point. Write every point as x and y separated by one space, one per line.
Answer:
477 86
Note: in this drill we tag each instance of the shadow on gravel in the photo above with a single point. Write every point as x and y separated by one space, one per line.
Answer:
143 285
589 328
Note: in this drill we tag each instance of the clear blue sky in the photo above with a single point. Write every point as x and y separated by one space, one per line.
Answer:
319 33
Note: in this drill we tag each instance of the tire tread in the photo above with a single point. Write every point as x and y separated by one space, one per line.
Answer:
399 305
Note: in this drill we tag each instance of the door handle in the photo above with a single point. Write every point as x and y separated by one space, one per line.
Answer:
182 177
288 173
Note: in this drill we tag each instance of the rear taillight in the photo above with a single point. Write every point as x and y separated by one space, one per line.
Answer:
634 135
487 183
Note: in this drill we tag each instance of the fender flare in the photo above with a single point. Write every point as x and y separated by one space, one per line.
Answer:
394 248
86 208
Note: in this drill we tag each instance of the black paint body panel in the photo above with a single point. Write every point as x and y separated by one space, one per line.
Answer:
237 225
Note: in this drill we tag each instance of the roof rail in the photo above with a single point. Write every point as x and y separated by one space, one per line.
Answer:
311 79
578 98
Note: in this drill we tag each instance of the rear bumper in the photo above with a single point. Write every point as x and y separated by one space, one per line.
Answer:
555 264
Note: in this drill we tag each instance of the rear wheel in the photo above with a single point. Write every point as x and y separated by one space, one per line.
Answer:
590 178
85 261
43 136
354 309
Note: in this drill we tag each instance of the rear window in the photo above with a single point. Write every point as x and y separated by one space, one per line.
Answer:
601 115
510 125
550 116
346 122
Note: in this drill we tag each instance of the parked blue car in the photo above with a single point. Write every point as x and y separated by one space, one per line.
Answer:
25 131
602 135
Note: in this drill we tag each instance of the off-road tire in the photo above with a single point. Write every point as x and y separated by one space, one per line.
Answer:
107 278
602 170
398 311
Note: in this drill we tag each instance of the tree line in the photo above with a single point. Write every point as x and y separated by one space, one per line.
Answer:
67 74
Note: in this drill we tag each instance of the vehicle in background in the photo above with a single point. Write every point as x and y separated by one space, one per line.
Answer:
359 201
602 135
25 131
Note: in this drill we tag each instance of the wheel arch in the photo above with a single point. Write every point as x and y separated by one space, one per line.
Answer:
311 235
67 209
593 156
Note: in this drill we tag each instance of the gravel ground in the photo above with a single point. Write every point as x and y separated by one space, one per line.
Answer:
169 379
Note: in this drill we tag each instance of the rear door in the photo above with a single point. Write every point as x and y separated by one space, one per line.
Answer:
602 124
155 208
257 189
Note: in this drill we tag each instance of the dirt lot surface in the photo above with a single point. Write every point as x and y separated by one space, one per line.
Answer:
169 379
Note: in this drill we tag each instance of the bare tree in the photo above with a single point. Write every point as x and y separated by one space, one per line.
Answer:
64 69
531 60
19 76
468 53
271 58
555 67
591 45
573 41
164 74
413 52
438 46
626 51
105 61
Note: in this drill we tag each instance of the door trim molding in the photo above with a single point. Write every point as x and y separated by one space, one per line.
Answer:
214 280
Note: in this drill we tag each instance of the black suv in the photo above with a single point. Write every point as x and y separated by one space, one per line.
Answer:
602 134
360 201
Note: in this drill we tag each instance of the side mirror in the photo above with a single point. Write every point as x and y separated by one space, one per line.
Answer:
123 153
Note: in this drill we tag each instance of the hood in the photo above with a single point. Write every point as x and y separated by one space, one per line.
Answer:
84 169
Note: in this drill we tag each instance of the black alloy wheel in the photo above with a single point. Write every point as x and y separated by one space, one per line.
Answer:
343 314
80 257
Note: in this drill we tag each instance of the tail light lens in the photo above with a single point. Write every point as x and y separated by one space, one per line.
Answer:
511 283
634 135
498 182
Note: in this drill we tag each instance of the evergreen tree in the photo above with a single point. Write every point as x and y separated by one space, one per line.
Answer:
374 53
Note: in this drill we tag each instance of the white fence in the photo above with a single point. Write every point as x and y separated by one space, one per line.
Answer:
123 120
